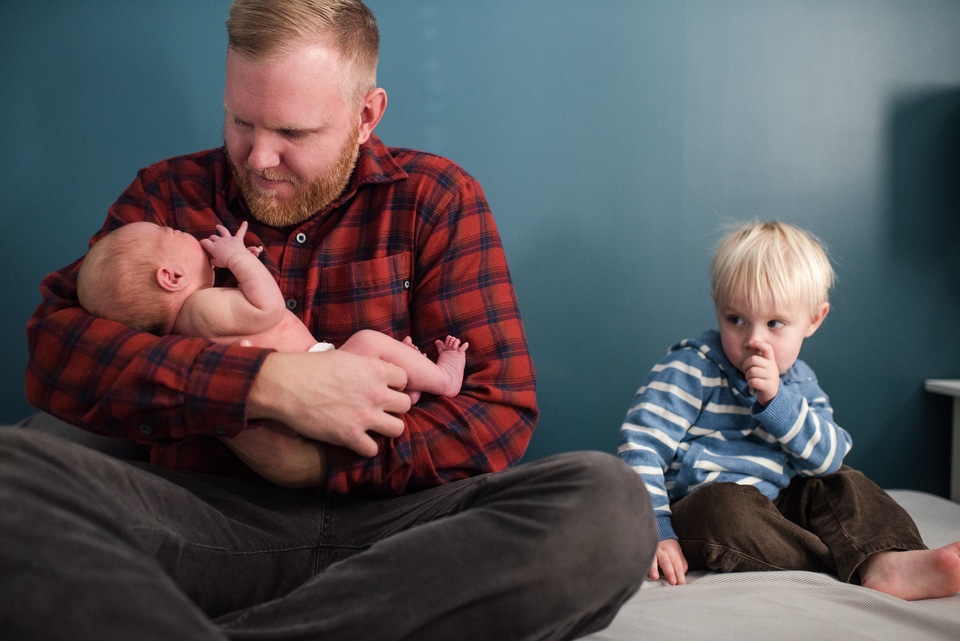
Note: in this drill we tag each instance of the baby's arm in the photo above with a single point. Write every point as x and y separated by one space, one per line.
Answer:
259 287
253 307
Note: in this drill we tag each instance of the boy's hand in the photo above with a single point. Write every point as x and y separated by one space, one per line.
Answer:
671 562
221 248
761 372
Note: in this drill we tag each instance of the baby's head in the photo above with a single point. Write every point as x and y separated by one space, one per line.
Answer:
140 274
771 282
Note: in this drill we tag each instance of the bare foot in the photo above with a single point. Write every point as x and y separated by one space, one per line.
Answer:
451 359
914 574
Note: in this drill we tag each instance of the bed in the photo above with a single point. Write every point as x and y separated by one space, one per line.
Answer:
746 606
764 606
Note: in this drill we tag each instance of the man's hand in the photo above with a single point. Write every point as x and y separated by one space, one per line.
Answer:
761 372
670 561
333 397
280 455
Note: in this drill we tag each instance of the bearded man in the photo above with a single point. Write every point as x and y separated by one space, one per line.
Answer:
421 526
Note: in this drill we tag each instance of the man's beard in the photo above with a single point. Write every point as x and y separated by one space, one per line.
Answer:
310 197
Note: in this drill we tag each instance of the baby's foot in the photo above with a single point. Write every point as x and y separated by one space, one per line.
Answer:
451 359
914 574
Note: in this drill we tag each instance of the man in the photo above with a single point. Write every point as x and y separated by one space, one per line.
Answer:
410 535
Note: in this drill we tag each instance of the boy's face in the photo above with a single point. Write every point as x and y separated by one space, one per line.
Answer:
746 331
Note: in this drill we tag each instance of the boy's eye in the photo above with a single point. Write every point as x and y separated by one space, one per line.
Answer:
775 324
734 320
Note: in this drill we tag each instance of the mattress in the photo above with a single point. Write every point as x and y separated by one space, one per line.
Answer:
794 605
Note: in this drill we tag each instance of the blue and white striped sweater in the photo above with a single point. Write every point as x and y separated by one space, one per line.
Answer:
696 422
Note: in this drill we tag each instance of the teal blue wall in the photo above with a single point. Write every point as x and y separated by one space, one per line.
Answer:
614 140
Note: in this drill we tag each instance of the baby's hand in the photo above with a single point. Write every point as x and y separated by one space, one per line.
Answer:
761 372
221 248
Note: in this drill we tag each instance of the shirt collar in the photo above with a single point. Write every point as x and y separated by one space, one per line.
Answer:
375 164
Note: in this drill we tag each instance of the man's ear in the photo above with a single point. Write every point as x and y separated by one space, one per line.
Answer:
817 320
170 279
374 104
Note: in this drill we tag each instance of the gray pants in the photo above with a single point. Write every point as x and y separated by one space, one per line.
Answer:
827 524
96 548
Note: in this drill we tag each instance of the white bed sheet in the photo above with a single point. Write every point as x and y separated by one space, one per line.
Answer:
806 606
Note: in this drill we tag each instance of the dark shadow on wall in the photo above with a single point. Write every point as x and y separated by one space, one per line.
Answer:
925 180
919 270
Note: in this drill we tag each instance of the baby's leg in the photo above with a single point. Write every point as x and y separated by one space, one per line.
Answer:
452 359
442 378
914 574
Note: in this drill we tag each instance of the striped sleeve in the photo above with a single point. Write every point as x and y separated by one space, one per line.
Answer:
664 409
800 419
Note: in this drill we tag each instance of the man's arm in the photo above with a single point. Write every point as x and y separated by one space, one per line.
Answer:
273 450
334 397
460 285
280 455
116 380
112 379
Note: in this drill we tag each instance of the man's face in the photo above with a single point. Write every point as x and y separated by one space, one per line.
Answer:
291 138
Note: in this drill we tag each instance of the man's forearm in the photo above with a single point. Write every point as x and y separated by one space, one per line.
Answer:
280 456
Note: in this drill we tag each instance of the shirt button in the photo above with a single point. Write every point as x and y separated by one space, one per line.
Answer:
146 430
219 429
301 238
291 304
406 284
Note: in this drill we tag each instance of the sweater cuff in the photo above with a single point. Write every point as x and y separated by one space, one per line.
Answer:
779 415
665 527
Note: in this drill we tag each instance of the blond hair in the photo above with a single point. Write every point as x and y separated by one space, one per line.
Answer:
258 29
771 262
117 281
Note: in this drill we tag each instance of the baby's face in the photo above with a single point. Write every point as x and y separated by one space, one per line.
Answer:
745 331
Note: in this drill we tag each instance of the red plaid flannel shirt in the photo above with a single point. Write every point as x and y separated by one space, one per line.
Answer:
410 248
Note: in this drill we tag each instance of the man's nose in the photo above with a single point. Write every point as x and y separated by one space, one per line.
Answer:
264 152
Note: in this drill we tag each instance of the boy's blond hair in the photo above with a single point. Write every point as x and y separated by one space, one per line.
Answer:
771 262
117 281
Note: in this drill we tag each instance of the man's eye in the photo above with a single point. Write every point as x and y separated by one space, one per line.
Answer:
240 123
293 134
